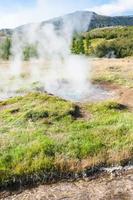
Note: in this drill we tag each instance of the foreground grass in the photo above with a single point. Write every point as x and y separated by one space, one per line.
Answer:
39 133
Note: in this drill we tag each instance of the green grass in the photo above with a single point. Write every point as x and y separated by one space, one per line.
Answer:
39 132
114 78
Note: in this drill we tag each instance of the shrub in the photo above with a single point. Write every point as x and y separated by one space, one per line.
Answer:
35 115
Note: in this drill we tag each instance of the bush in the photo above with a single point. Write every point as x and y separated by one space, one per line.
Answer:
78 45
36 115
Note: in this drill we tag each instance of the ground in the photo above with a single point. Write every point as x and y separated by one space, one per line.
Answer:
44 137
117 75
103 188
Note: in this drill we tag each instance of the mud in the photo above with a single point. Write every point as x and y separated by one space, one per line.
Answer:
115 186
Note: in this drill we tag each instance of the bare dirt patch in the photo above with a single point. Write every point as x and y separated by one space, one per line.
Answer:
123 95
115 75
127 97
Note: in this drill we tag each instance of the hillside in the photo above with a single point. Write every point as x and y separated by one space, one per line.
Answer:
105 42
44 138
98 21
118 41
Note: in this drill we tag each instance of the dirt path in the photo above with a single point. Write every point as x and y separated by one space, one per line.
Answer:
110 187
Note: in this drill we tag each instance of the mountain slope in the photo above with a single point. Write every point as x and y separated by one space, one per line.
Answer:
81 21
98 21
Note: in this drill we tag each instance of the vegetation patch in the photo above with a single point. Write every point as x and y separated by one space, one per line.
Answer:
102 42
105 42
34 115
46 137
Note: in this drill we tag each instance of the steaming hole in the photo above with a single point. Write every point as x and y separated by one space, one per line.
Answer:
70 87
93 93
76 112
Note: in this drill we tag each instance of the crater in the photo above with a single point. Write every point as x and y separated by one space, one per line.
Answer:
93 93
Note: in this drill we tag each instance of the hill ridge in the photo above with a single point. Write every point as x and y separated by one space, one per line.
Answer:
83 21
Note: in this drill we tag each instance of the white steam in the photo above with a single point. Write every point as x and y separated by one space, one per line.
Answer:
55 70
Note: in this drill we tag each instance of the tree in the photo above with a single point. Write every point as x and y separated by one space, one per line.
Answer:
5 49
78 45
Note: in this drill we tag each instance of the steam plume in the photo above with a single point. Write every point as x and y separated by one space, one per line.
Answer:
56 69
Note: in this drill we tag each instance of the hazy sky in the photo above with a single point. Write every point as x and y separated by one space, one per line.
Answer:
16 12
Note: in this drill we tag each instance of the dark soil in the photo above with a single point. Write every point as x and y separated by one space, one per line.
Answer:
114 186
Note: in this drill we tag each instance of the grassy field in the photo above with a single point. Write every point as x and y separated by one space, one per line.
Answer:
42 135
113 71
